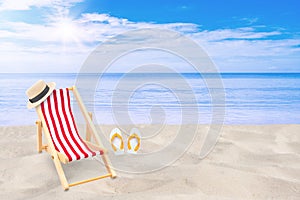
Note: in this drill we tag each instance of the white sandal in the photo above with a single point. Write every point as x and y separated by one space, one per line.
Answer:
134 141
116 141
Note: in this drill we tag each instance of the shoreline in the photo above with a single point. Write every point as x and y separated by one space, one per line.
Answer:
138 125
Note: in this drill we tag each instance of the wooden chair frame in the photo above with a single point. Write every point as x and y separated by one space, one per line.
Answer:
59 157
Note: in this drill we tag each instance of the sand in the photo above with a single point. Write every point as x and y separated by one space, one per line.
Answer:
248 162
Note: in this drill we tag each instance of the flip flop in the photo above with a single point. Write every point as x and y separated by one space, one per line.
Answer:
116 141
134 141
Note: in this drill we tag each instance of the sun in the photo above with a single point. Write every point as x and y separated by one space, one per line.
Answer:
67 30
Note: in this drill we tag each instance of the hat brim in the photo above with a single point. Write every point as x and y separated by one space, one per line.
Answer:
35 104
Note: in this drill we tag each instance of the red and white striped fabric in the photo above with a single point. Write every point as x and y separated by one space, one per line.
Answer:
60 121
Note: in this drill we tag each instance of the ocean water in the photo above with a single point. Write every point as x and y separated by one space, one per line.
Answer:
260 98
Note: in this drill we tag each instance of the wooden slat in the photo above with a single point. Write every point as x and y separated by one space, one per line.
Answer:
89 180
87 117
94 147
62 157
88 131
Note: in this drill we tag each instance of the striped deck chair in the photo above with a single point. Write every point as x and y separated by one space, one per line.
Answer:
64 142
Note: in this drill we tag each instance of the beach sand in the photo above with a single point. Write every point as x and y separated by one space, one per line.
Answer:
248 162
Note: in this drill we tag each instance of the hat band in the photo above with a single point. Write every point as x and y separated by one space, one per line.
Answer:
40 95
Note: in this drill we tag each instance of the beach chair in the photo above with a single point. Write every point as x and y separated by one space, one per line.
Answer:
65 145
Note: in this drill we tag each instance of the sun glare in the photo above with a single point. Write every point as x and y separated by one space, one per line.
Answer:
67 30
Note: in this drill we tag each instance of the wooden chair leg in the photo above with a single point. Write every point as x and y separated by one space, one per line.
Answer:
39 135
60 172
51 149
104 157
108 166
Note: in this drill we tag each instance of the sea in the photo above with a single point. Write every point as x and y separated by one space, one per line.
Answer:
160 98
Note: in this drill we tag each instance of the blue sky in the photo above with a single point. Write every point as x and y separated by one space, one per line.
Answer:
209 14
239 36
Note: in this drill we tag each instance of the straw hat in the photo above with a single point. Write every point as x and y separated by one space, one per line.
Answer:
39 93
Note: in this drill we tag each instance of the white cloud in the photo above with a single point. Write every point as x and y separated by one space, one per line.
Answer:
257 48
88 28
238 33
102 18
68 41
249 21
28 4
22 4
6 34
